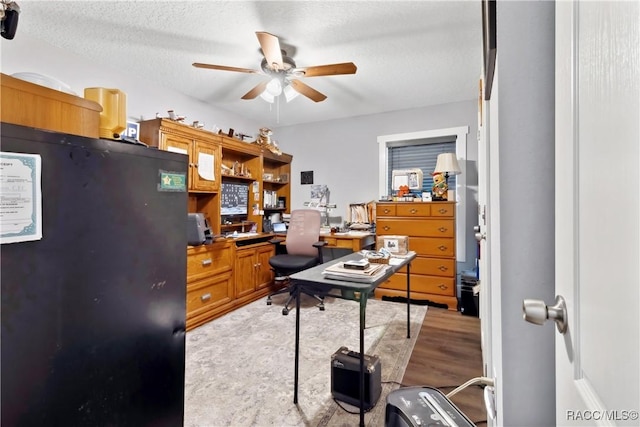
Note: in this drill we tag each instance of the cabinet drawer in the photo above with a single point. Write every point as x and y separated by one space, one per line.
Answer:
413 209
208 260
443 267
443 209
385 210
425 227
209 293
419 283
432 246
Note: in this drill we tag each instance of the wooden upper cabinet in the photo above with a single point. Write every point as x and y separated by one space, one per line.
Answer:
205 170
203 150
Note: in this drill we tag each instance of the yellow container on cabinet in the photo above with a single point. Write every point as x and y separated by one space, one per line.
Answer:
113 119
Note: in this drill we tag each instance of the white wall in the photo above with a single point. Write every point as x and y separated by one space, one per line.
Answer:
343 154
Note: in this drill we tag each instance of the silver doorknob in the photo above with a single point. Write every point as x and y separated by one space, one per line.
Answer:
537 312
480 236
476 228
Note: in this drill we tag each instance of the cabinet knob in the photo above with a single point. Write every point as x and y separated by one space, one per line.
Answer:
205 297
387 210
442 210
386 228
442 268
206 261
413 211
443 286
442 248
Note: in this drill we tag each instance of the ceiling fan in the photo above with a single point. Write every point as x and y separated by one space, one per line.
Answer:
283 71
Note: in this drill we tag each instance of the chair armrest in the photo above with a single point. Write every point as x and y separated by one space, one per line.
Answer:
276 241
319 246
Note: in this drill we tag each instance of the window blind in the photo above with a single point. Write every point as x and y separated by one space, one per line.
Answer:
421 155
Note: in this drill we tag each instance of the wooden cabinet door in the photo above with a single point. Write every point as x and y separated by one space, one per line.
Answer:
264 274
206 160
245 272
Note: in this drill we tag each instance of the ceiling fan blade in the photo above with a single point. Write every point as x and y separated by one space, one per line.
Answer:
271 49
329 70
224 68
308 91
256 91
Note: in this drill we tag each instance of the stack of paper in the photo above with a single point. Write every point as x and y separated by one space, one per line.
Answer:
368 275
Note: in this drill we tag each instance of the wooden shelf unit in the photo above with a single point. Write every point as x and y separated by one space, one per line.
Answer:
228 273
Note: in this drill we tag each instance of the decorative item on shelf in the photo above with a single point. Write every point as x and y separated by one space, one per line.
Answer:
197 124
283 178
226 170
403 190
439 188
264 140
173 116
446 164
267 177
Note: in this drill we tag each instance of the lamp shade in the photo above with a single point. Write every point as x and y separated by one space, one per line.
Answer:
447 163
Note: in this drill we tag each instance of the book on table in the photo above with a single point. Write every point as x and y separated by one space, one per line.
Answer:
369 274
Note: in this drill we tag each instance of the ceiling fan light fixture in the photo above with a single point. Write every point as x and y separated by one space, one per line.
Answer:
274 88
267 97
290 93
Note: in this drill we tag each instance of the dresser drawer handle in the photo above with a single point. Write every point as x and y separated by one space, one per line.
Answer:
387 211
413 211
442 268
386 228
205 297
443 287
442 248
442 229
206 261
442 210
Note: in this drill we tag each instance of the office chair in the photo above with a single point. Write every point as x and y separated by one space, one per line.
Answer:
303 250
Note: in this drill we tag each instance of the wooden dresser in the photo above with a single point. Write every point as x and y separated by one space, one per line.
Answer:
431 228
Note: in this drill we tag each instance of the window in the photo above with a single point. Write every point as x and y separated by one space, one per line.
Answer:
421 154
459 135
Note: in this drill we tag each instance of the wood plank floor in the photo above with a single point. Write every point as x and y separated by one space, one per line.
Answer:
447 354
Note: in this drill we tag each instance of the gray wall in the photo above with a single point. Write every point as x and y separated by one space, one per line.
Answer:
526 134
344 155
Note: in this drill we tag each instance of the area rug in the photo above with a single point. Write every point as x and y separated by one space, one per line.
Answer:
240 367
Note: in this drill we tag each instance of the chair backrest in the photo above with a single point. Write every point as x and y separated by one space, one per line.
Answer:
304 231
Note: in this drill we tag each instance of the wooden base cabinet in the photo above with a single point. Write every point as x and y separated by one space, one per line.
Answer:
431 229
252 270
209 281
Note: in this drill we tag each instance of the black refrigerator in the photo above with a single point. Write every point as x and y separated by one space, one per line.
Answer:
93 313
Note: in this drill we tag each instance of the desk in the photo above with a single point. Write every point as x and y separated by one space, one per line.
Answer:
354 240
313 278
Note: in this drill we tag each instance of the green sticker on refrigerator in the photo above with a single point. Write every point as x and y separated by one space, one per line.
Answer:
172 181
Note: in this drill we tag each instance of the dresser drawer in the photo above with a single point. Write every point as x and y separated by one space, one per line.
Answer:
442 267
413 209
209 293
443 209
208 260
425 227
383 209
432 246
424 284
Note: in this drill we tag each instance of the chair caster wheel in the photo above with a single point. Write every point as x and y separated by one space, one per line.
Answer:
285 311
269 301
321 308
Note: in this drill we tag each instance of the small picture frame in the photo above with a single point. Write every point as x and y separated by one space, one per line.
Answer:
306 177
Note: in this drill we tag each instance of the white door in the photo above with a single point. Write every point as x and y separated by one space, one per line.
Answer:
597 211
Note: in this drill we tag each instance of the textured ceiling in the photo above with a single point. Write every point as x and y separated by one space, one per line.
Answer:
408 54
